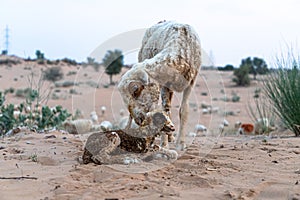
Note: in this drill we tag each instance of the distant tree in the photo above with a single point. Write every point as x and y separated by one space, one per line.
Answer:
260 66
93 63
256 66
226 68
39 55
242 75
4 52
113 62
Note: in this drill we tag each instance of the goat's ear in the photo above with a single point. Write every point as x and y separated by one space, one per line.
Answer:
135 89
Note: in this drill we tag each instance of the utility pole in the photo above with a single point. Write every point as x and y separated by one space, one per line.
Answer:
6 39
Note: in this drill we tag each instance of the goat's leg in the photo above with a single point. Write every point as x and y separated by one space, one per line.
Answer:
183 115
166 96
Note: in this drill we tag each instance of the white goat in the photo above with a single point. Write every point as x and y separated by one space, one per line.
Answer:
171 55
200 128
94 117
103 110
106 126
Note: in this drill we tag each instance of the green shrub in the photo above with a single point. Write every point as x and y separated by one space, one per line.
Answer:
241 76
257 92
53 74
282 87
10 90
46 118
65 84
235 98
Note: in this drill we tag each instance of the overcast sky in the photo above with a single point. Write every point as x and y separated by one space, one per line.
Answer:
229 30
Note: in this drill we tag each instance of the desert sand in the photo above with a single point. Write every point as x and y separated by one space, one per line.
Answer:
215 165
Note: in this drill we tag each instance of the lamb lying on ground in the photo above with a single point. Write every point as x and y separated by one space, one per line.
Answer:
79 126
171 55
106 147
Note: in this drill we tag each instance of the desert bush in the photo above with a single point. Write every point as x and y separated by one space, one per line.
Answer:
65 84
73 91
9 62
69 61
92 84
235 98
23 93
257 92
46 118
53 74
70 73
282 87
10 90
241 76
92 62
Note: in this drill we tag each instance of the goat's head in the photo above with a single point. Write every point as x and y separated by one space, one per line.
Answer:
139 95
142 99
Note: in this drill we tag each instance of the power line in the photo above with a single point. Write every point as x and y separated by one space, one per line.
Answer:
6 38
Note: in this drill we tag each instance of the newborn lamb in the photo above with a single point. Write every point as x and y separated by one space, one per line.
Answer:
105 147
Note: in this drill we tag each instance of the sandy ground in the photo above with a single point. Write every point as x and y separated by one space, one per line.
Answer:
214 166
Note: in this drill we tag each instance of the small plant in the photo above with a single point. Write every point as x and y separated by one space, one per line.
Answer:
257 92
235 98
283 89
34 157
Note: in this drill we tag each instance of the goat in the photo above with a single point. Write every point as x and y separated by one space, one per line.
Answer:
171 56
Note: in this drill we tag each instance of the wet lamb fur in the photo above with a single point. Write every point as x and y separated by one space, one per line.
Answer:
171 56
105 147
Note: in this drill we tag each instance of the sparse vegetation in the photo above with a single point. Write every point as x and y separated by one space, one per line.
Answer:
37 119
69 61
65 84
283 89
9 62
